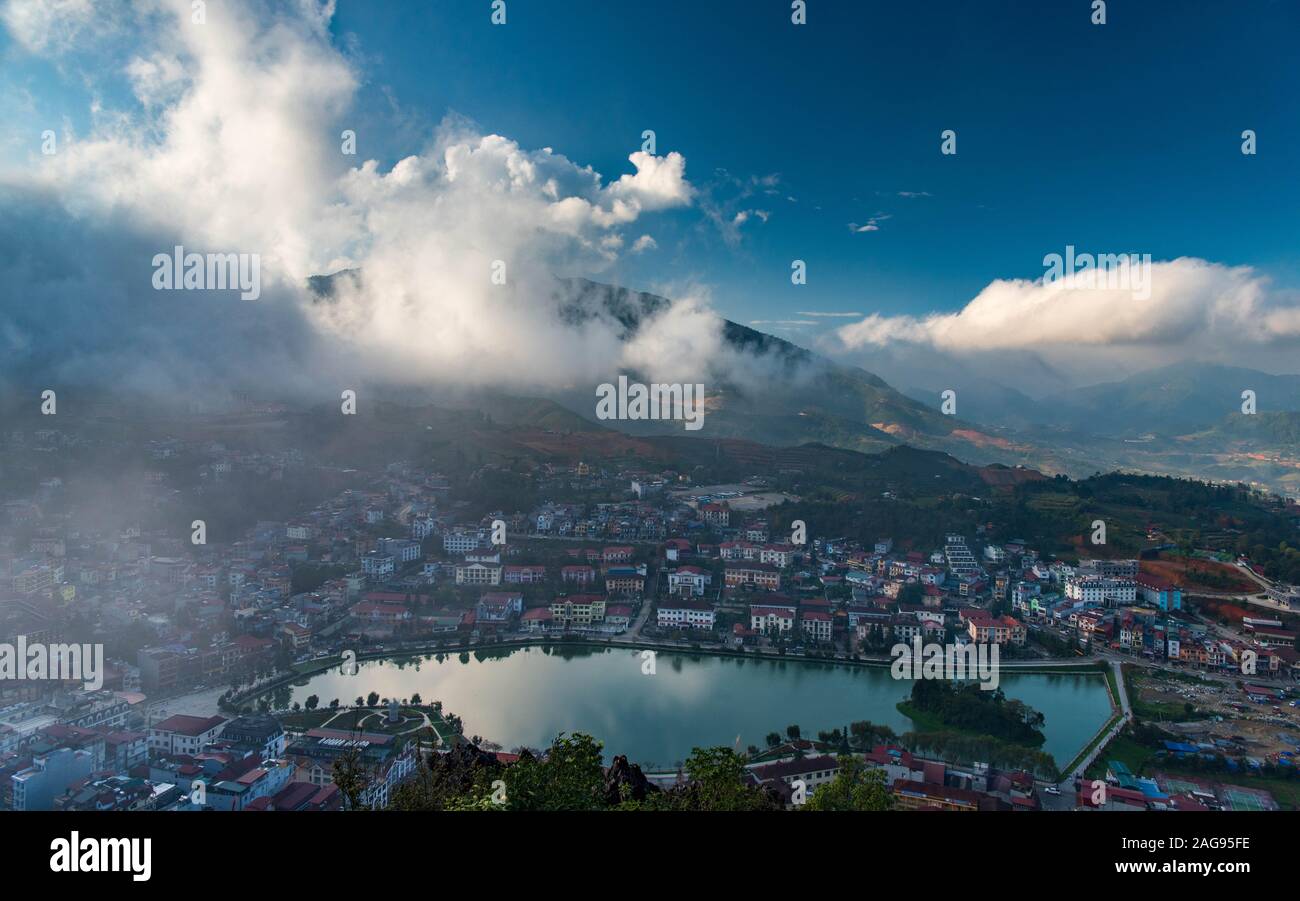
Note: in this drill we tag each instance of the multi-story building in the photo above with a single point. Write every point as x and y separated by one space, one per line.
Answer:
1101 590
578 610
184 734
689 580
1159 592
761 576
816 624
256 732
685 615
478 574
625 579
49 776
461 541
523 574
718 515
579 574
378 565
987 629
771 618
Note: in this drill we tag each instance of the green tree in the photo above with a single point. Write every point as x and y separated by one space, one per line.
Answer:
853 788
570 777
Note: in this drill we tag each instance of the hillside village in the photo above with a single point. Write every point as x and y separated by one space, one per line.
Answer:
207 633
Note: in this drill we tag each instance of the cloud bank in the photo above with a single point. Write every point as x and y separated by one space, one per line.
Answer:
233 142
1197 310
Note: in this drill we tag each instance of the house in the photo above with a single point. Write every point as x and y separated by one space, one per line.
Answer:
675 549
498 607
988 629
618 615
297 635
537 619
381 614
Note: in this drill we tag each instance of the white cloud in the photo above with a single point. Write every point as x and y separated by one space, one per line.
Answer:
1196 310
871 225
237 148
40 25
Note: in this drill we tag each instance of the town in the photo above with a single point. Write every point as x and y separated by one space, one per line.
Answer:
205 639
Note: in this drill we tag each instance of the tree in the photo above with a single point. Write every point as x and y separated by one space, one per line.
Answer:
312 702
853 788
792 732
773 739
372 699
570 777
350 777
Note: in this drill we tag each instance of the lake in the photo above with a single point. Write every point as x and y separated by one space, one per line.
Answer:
525 696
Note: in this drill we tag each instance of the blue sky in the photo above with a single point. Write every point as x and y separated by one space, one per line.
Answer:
1115 138
1122 137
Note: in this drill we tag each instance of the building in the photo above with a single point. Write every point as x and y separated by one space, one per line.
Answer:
811 772
685 615
1103 591
537 619
498 607
718 515
1158 592
690 580
50 775
816 624
761 576
462 541
258 733
625 580
578 610
771 618
523 574
579 574
378 565
183 734
1109 569
1285 595
988 629
402 550
478 574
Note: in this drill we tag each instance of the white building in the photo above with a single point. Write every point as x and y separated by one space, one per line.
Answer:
686 615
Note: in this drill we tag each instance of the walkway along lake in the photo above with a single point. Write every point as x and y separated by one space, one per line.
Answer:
525 696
